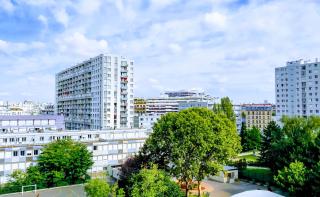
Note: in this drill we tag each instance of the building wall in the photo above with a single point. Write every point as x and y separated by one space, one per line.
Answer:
97 93
30 123
297 89
109 147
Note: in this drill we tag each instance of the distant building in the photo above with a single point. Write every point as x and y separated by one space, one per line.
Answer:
148 111
148 120
139 106
97 93
31 123
48 109
256 115
297 89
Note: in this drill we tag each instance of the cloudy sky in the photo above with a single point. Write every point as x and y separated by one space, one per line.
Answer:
224 47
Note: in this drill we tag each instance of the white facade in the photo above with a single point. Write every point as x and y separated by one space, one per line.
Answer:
97 93
147 121
109 147
297 89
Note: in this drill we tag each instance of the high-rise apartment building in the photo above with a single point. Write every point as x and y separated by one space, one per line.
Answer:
97 93
297 89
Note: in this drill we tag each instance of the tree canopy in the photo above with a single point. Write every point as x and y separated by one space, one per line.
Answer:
251 139
192 143
65 160
153 183
225 106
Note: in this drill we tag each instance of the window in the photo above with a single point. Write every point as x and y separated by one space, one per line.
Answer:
15 153
35 152
22 153
95 148
41 138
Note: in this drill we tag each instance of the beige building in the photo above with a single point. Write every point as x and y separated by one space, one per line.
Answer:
258 115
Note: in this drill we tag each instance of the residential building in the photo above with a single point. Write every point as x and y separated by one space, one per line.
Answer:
31 123
148 111
148 120
47 109
109 147
97 93
256 115
297 89
139 106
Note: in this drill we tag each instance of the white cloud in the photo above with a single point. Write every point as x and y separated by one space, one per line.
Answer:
215 19
61 16
7 5
77 44
43 19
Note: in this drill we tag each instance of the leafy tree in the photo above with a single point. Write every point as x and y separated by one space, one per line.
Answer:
97 188
296 141
292 178
243 131
116 191
153 183
269 136
192 143
65 162
251 139
225 107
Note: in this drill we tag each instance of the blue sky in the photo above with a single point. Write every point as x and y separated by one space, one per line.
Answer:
224 47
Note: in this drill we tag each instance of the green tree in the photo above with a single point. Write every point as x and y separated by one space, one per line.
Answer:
251 139
153 183
97 188
192 143
270 134
225 107
296 141
65 162
116 191
292 178
243 131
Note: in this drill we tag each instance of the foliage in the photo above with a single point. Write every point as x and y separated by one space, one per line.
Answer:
243 131
97 188
257 173
116 191
270 134
65 162
226 108
251 139
292 178
296 141
192 143
153 183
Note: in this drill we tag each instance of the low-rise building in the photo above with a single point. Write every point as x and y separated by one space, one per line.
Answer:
109 147
30 123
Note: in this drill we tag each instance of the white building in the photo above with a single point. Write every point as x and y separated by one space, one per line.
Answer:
175 101
148 120
97 93
109 147
297 89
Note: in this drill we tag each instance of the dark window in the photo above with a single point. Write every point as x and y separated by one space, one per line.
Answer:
15 153
35 152
95 148
22 153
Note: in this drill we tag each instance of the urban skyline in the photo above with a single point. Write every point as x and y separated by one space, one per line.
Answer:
207 47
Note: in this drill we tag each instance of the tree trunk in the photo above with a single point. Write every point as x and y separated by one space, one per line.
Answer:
187 189
199 188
